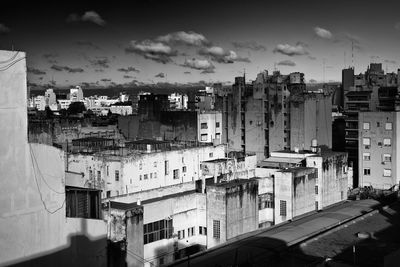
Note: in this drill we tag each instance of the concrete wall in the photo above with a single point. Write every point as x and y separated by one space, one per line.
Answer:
295 186
332 178
255 125
216 198
266 186
241 208
377 149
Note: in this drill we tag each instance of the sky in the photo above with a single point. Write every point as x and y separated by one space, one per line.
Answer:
106 43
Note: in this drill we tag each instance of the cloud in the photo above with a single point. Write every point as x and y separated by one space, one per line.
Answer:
129 69
207 71
251 45
128 76
88 44
36 71
102 62
187 72
289 50
323 33
312 58
88 16
4 29
312 81
66 68
187 38
390 61
287 63
105 80
199 64
157 51
218 54
160 75
397 26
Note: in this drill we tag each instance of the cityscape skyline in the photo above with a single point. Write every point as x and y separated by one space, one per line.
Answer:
148 42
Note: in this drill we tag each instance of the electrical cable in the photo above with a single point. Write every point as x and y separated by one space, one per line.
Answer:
38 187
10 59
4 68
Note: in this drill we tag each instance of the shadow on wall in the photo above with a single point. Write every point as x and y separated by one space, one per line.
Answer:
81 251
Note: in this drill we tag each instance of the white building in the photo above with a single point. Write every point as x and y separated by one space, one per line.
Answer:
178 101
144 170
379 149
76 94
209 126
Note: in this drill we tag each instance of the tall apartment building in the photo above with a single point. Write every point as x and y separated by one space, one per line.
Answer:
275 113
379 149
370 91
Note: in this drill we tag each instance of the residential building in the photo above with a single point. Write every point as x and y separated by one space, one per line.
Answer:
129 170
209 126
370 91
76 94
274 113
379 149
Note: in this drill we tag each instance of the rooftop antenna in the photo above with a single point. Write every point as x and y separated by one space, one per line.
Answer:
274 66
344 59
323 69
352 53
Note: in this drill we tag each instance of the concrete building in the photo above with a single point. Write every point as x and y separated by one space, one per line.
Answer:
370 91
379 149
294 193
135 170
275 113
34 227
209 126
234 210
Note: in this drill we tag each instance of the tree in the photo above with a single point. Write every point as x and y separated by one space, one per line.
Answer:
76 107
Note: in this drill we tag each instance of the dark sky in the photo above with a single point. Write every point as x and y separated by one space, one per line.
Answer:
107 42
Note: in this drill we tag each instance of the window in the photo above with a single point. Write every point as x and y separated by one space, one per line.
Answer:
216 229
155 175
266 201
367 171
140 165
116 175
140 177
387 157
202 230
155 164
316 189
107 172
316 205
366 125
388 126
99 175
217 124
387 142
204 137
217 136
166 165
145 176
366 156
157 230
378 124
176 174
210 155
203 125
181 234
151 175
366 141
83 203
108 193
387 172
190 232
184 169
282 208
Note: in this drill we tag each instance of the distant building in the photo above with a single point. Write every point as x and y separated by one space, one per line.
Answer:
209 126
274 113
379 149
76 94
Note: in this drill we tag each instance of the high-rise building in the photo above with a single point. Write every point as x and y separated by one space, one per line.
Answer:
274 113
370 91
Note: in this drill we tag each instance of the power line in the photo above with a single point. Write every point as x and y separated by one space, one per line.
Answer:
10 59
4 68
38 187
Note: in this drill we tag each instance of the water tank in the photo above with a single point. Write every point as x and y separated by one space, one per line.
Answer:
314 145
